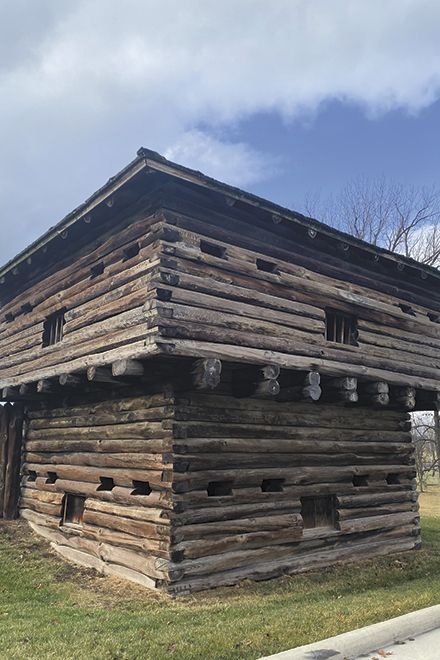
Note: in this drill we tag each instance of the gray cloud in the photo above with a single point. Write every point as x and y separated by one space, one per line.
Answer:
83 84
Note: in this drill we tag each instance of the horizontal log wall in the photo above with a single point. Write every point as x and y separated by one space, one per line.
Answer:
104 451
270 455
223 282
226 476
108 296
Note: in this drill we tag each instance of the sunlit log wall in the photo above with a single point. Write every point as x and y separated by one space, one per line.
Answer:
270 459
230 479
227 279
113 458
106 292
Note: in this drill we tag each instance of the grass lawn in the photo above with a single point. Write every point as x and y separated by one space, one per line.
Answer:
51 609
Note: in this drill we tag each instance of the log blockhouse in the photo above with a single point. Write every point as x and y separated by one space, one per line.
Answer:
213 387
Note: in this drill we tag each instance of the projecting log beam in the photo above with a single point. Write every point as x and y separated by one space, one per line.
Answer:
127 368
70 380
10 393
27 388
341 390
404 397
348 383
101 375
266 389
310 390
260 382
380 399
206 374
270 371
379 387
374 394
341 396
45 387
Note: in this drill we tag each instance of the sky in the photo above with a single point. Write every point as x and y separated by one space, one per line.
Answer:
287 99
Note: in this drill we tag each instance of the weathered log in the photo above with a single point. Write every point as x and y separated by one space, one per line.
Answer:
70 380
344 383
270 371
10 393
45 387
127 368
206 374
378 387
101 375
266 389
404 397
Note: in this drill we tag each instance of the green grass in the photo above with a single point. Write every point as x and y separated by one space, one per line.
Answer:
49 609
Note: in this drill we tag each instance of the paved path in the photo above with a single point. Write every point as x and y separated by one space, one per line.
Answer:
420 632
421 647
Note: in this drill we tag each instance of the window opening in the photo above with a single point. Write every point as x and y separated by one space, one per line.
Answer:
340 328
53 328
318 511
73 509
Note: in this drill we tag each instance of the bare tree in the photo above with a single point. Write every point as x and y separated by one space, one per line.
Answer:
427 446
404 219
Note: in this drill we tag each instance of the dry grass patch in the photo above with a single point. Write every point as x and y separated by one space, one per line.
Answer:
50 609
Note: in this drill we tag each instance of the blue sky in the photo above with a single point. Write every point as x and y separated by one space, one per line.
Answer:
286 99
339 143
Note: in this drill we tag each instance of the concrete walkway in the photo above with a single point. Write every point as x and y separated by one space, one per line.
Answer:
413 636
421 647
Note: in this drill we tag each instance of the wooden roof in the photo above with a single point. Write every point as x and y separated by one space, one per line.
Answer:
127 180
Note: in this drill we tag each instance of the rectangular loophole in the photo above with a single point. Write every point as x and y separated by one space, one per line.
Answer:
407 309
73 509
141 488
360 480
53 328
51 477
97 270
318 511
393 479
107 483
272 485
219 488
266 266
31 476
131 251
340 328
26 308
213 249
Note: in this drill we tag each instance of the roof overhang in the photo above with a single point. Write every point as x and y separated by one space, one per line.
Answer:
147 160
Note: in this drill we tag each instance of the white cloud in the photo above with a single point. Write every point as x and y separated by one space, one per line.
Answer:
83 84
232 162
